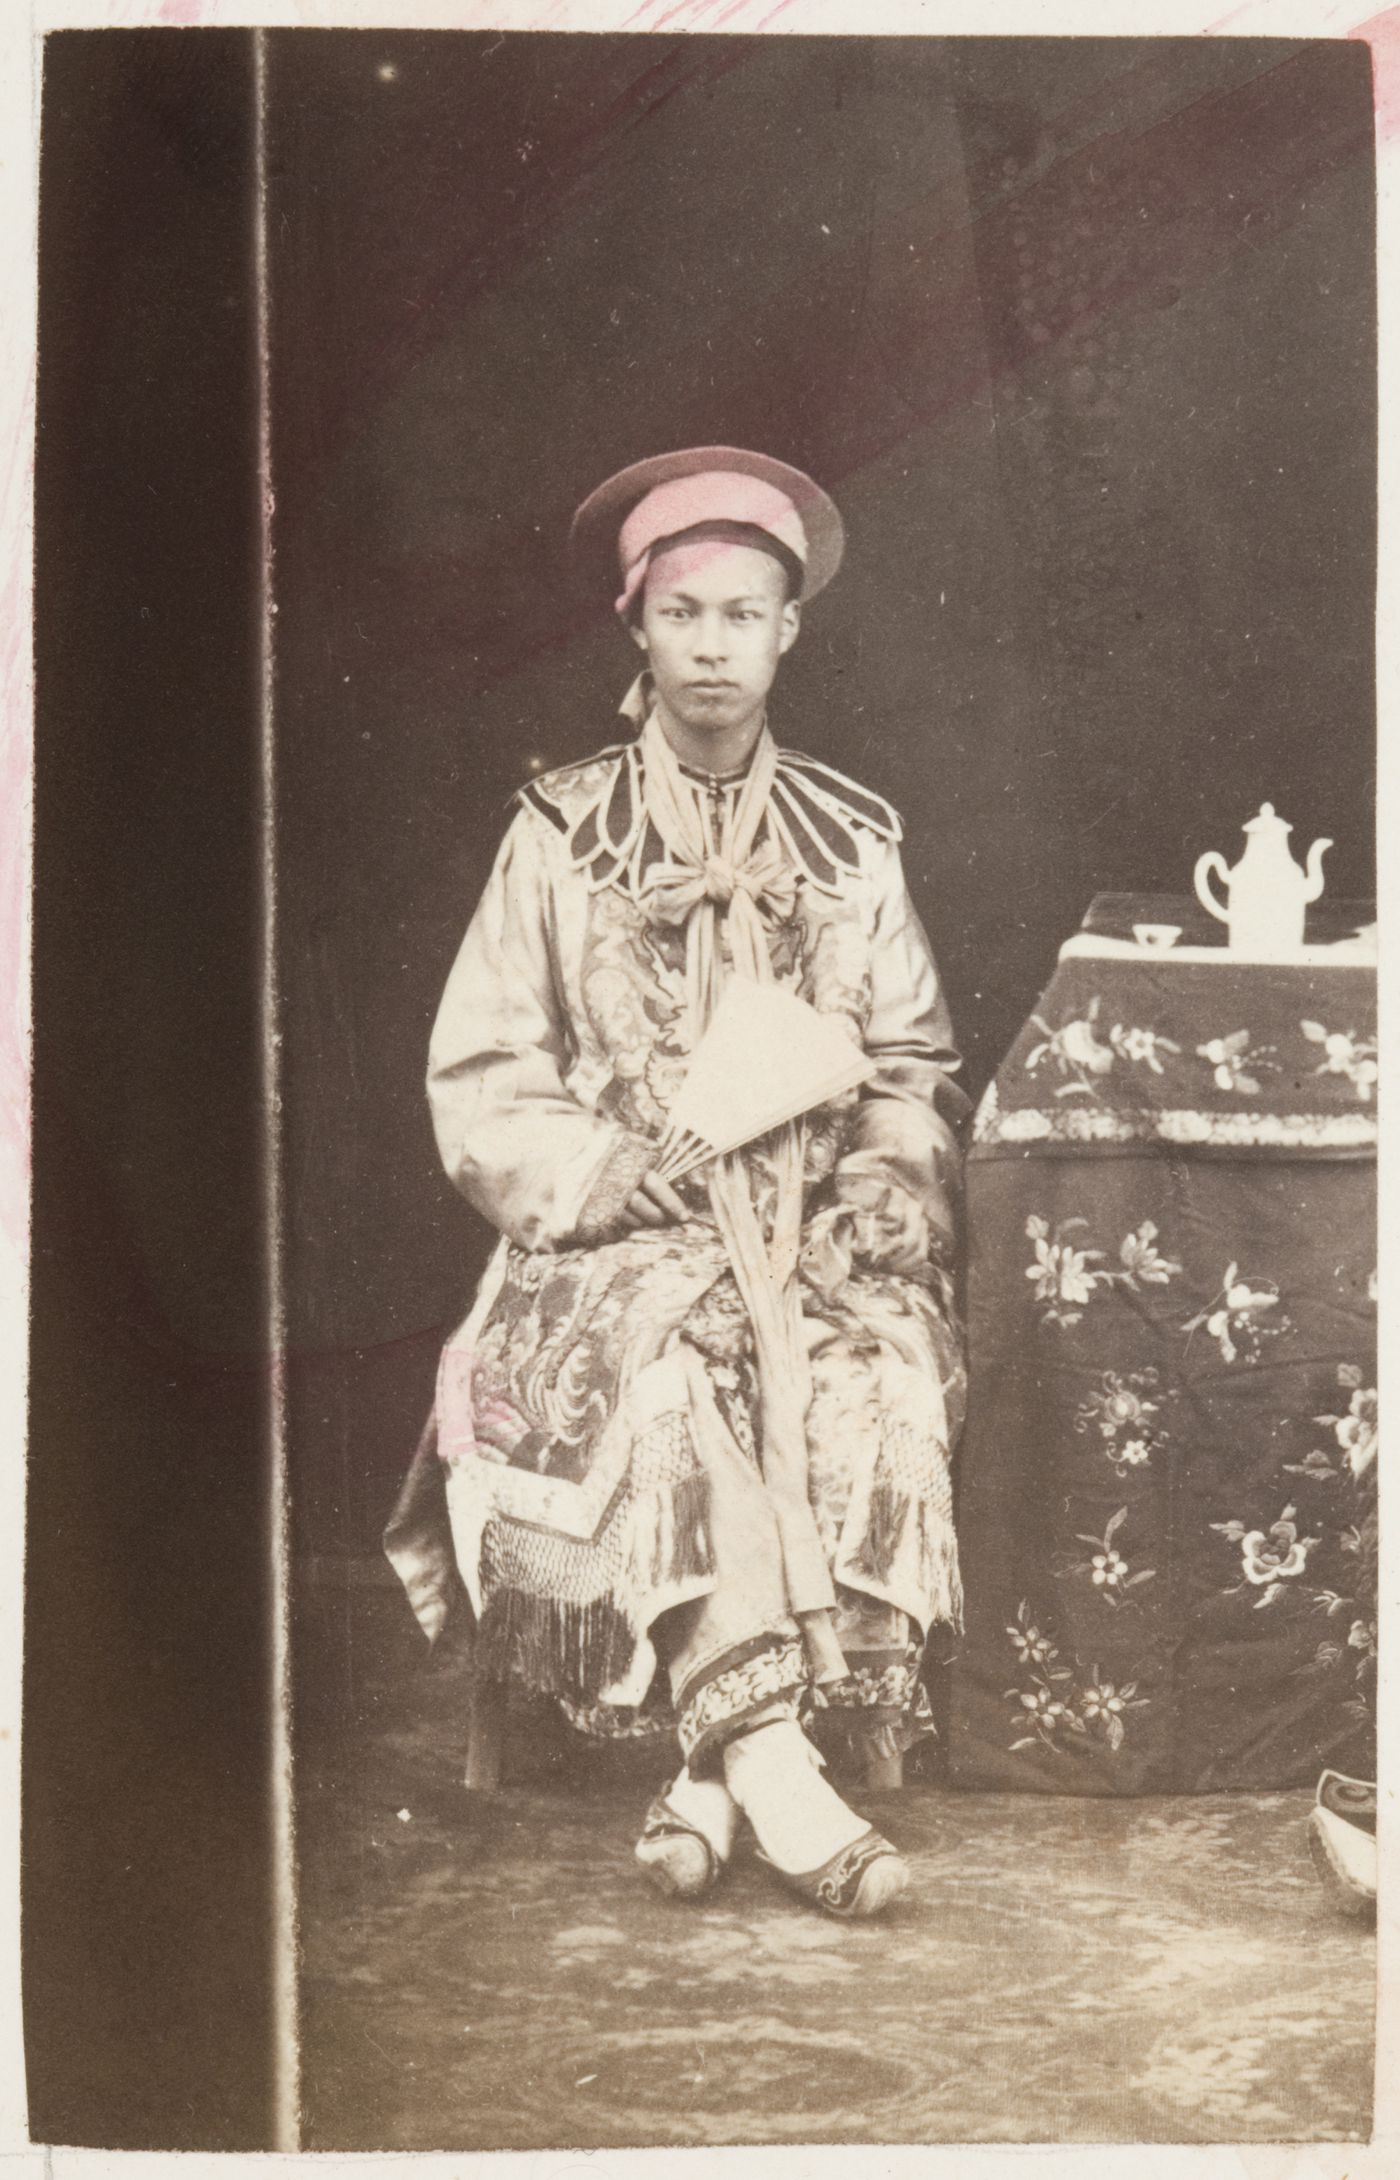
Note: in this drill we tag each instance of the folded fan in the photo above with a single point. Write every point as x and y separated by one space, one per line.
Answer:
766 1058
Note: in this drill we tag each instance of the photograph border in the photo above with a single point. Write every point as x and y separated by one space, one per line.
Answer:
21 34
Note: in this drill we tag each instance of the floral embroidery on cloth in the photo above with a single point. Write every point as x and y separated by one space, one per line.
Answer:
1078 1051
1356 1432
1125 1415
881 1708
1068 1274
1236 1064
1268 1558
1153 1050
1056 1706
1344 1053
1350 1597
1108 1571
1239 1317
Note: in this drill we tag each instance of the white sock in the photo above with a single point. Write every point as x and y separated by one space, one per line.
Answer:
774 1776
710 1807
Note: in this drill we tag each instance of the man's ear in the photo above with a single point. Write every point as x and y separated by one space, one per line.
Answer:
790 625
638 634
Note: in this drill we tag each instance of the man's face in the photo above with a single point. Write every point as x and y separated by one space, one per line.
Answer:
715 621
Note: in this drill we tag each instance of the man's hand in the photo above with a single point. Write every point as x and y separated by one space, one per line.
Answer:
654 1203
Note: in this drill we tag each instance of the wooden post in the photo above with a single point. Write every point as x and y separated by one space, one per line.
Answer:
884 1774
484 1737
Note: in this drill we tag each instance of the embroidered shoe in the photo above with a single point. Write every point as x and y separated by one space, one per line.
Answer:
687 1837
1342 1841
1352 1799
775 1777
858 1882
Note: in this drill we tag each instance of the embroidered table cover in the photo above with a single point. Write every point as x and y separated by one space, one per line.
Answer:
1167 1483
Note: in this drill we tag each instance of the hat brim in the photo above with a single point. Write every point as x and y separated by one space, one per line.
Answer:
594 530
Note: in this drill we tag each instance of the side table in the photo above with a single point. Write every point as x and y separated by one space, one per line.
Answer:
1166 1495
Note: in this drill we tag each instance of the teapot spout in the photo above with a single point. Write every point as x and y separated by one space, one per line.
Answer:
1314 883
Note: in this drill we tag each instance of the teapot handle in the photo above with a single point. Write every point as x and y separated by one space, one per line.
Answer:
1211 860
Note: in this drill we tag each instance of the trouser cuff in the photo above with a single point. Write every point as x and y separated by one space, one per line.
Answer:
745 1687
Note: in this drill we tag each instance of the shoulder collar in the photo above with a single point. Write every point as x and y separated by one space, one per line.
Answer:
597 804
818 813
816 816
564 793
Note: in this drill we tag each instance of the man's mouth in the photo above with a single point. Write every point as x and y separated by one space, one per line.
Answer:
712 688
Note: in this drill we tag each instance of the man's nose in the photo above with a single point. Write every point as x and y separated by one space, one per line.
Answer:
711 639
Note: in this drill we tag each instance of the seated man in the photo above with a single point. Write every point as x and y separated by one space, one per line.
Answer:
696 1439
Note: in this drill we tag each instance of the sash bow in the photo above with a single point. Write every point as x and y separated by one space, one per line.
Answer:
674 888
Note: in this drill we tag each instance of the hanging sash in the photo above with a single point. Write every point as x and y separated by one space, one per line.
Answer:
706 879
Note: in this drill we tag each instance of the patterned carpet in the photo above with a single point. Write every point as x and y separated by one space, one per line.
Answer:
492 1974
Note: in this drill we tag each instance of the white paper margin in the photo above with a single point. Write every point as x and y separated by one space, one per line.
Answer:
22 27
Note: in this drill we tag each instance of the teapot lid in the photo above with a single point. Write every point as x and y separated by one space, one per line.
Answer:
1267 821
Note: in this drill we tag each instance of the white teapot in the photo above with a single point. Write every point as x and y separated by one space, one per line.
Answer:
1269 892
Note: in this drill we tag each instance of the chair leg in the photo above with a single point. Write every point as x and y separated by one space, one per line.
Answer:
484 1737
884 1774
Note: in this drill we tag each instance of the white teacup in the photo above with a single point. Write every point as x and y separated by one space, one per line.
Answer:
1157 936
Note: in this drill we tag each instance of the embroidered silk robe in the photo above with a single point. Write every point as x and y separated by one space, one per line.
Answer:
602 1381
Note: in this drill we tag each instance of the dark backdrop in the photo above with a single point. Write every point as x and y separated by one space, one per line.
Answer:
1079 333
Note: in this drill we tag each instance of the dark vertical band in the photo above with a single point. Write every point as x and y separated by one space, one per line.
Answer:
146 1717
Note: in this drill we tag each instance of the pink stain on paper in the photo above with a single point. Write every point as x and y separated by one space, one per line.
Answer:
1382 34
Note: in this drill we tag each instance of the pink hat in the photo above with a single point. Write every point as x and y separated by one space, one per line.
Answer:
670 493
